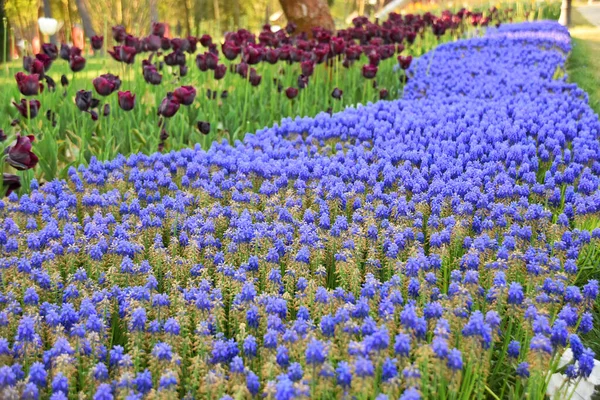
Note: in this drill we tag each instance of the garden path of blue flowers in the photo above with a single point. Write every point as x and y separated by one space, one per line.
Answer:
420 248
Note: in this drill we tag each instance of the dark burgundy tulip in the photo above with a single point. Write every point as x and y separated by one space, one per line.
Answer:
224 94
296 54
64 80
400 48
185 95
11 183
291 92
290 28
83 99
119 33
19 155
94 115
74 51
337 45
45 60
175 58
127 54
205 40
183 70
254 77
158 29
253 54
33 66
50 50
29 85
97 42
337 93
411 36
151 75
106 110
50 83
165 43
230 50
169 106
302 81
34 107
272 56
374 58
193 41
220 71
212 60
284 52
132 41
126 100
383 94
201 62
65 51
308 67
115 53
77 63
106 84
242 69
164 135
404 61
152 42
28 63
203 127
94 103
180 44
2 135
369 71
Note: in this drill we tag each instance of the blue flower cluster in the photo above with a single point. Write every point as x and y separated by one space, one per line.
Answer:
420 248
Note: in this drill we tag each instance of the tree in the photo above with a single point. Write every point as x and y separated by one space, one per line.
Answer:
307 14
86 21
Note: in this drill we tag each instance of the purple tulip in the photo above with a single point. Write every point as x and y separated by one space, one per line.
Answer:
106 84
119 33
291 92
404 61
151 75
158 29
76 63
65 51
169 106
50 50
206 40
11 183
175 58
369 71
230 50
383 94
212 60
337 93
29 85
220 71
308 68
203 127
19 155
83 100
34 107
254 77
97 42
152 42
185 95
126 100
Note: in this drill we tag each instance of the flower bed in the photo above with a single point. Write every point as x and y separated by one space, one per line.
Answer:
413 248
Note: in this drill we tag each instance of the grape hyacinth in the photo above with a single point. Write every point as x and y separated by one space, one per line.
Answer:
419 248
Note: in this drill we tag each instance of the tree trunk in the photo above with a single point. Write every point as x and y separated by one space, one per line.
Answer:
565 13
153 5
307 14
86 21
236 14
48 14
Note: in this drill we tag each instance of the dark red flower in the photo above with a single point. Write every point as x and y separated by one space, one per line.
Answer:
83 99
290 28
180 44
308 67
201 62
253 54
220 71
45 60
34 107
74 51
106 84
203 127
97 42
65 51
64 80
383 94
404 61
272 56
165 43
77 63
151 75
337 45
254 77
29 85
193 44
337 93
212 60
126 100
124 54
50 50
230 50
169 106
106 110
33 66
302 81
175 58
158 29
19 155
11 183
94 115
242 69
119 33
152 42
205 40
291 92
185 95
50 83
374 58
183 70
369 71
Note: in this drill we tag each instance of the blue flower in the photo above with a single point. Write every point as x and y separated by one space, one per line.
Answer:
343 374
315 352
104 392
